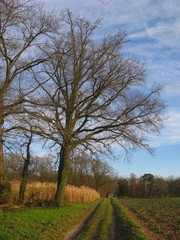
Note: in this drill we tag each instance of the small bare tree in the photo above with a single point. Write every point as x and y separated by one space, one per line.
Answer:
24 27
80 165
28 137
93 98
101 172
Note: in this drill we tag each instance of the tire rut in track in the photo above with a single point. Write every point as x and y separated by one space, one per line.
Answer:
82 225
114 231
113 228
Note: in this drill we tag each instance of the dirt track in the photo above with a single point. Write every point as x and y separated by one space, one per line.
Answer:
72 235
113 230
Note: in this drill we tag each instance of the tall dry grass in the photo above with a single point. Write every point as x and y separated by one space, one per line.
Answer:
37 192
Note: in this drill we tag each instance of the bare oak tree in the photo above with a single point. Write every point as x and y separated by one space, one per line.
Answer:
94 97
24 26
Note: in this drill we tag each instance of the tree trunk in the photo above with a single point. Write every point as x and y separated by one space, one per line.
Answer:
25 171
63 172
97 186
23 181
5 187
2 170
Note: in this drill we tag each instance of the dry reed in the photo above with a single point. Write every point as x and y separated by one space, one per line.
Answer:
38 192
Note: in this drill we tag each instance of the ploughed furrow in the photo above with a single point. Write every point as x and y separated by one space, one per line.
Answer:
96 225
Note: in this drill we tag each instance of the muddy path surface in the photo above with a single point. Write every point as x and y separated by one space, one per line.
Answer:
113 230
113 233
73 234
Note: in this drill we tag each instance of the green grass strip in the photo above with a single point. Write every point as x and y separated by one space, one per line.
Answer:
128 229
42 223
98 226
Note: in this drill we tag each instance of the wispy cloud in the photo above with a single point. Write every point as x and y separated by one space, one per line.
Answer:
154 29
166 34
171 133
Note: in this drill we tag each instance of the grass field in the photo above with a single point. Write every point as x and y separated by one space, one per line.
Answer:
42 224
110 219
52 223
162 216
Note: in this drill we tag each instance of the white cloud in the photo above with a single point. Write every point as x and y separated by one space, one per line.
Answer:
165 34
171 132
154 29
172 89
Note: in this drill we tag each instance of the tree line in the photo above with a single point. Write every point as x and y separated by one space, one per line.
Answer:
93 173
61 87
148 185
84 171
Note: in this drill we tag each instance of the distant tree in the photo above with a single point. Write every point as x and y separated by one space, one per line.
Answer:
173 185
81 170
148 185
133 185
160 187
92 172
42 168
93 97
147 181
101 172
111 184
122 189
23 142
13 165
177 187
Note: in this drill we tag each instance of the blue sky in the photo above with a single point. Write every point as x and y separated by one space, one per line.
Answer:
153 27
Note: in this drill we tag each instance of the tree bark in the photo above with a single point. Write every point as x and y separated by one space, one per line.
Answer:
23 181
63 171
25 172
5 187
2 171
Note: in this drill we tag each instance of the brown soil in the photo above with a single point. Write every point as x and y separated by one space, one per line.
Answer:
151 235
113 233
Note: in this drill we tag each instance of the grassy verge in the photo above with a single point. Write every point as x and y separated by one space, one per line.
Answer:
42 223
98 226
127 227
